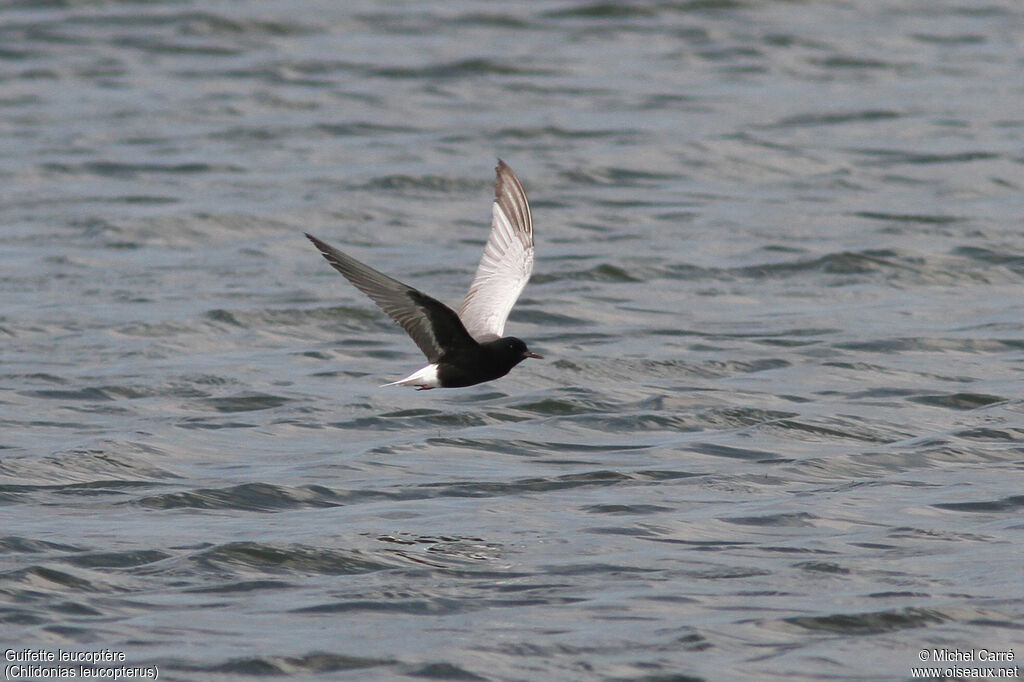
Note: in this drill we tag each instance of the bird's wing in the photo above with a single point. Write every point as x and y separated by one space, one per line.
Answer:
432 325
507 261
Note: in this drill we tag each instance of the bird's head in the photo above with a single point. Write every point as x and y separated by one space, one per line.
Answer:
517 349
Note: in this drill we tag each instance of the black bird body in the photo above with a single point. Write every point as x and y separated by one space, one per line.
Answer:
464 348
481 362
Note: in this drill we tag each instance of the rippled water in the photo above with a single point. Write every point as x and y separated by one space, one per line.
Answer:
779 285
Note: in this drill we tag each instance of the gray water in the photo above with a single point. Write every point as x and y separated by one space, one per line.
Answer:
778 433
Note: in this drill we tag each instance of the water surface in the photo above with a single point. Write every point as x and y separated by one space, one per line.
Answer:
778 433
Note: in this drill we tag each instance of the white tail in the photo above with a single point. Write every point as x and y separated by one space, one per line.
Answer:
423 379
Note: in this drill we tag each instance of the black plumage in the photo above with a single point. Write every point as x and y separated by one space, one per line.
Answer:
466 348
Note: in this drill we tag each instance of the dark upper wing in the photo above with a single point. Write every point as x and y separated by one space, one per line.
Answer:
432 325
507 262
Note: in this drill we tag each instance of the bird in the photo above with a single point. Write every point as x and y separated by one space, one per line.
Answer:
467 348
